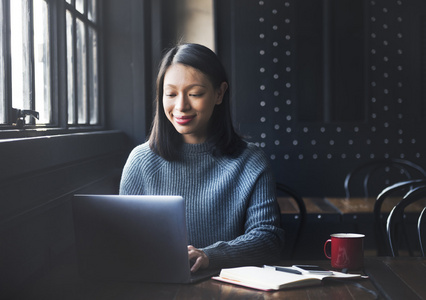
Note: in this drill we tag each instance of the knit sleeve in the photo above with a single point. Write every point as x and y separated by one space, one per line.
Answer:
263 238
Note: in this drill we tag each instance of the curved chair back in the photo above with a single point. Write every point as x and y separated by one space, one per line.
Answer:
420 223
302 212
395 217
379 224
396 169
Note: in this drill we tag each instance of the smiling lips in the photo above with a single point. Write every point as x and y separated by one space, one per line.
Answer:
183 120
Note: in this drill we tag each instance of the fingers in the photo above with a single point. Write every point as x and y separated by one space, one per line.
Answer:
196 265
199 257
193 253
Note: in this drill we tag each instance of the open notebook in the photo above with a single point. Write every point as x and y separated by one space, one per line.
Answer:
133 238
269 279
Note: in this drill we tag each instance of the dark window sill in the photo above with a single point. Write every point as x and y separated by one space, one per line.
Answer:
12 133
19 156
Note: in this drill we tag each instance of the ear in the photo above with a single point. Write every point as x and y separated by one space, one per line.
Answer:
220 92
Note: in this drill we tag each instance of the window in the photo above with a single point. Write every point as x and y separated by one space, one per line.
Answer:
2 67
82 67
49 64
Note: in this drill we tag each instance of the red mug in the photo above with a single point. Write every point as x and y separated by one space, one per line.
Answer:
347 250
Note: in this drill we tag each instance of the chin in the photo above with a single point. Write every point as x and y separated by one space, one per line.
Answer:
183 132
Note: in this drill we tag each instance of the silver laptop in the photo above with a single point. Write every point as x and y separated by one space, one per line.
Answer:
133 238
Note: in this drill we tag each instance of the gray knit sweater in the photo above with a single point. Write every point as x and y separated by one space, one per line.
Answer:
231 208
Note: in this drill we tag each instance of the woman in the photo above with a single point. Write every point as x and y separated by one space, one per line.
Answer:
193 151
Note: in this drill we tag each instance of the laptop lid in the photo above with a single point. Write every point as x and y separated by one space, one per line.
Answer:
132 238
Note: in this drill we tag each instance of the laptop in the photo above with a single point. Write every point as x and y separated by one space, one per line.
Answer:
133 238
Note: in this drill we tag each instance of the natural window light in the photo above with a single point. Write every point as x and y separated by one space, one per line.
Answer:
83 94
49 62
2 67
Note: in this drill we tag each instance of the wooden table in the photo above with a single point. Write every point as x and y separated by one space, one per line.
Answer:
343 207
391 278
398 278
359 206
63 282
316 208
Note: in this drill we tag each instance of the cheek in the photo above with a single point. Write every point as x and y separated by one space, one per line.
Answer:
167 111
205 105
167 107
209 107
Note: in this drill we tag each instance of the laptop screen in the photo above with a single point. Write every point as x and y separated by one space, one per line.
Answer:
136 238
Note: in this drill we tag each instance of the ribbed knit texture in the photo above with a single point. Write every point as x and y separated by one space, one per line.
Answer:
231 208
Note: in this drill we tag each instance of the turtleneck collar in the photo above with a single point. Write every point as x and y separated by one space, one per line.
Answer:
195 149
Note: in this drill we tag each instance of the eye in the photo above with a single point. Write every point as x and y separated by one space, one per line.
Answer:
196 95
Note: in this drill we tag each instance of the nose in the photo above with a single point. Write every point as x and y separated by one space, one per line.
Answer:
182 103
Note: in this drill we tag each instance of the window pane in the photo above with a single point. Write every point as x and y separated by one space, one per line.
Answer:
93 76
70 71
20 54
91 10
2 69
79 5
81 71
42 60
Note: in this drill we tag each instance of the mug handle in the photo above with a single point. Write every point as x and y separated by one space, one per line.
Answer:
325 249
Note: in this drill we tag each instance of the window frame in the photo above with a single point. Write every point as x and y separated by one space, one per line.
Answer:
58 70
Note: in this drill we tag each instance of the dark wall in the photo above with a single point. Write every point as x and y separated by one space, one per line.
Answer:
135 34
126 69
324 86
38 178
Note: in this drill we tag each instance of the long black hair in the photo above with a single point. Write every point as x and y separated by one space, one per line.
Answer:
164 139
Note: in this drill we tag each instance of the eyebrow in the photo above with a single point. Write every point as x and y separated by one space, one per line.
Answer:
189 86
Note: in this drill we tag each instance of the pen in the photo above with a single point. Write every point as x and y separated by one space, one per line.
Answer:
283 269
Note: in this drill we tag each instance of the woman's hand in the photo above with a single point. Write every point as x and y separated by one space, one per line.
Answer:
200 258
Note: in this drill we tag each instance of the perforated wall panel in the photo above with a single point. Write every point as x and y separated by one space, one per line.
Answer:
323 86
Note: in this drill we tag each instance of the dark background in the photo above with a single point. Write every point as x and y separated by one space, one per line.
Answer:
324 86
321 86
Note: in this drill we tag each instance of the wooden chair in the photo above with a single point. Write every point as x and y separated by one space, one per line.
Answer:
379 221
302 212
395 218
394 170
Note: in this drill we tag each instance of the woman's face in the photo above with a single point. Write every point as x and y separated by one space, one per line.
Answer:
188 101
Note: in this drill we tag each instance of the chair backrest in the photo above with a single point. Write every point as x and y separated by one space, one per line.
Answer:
395 219
421 232
379 222
388 171
302 212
